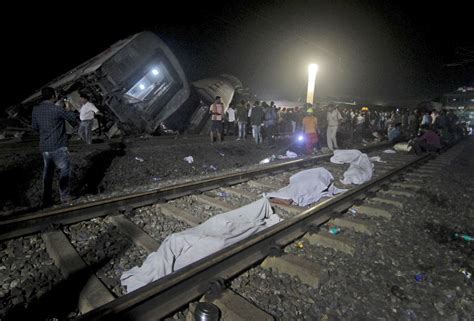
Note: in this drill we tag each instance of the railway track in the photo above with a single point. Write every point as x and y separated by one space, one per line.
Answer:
186 205
31 146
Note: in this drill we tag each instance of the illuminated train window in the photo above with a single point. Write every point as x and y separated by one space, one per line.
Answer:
157 79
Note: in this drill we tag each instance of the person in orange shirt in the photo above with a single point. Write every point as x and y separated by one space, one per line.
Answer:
310 124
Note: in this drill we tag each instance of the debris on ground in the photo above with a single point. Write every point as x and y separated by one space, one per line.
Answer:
189 159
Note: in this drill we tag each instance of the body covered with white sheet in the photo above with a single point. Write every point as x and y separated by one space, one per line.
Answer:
360 169
308 186
183 248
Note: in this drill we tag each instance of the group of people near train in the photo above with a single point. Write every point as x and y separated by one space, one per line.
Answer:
264 121
321 125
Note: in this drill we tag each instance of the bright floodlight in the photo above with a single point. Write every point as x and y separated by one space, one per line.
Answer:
300 138
142 86
154 72
312 71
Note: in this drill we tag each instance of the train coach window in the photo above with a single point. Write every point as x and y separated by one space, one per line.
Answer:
156 77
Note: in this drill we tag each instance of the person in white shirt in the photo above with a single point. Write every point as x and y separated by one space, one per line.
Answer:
86 115
333 117
231 120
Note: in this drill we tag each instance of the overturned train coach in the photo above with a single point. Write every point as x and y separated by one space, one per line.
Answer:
140 87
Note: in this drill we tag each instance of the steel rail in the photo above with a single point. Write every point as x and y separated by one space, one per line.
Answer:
167 295
16 225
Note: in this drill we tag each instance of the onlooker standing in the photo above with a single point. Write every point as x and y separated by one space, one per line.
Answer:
230 112
321 127
299 117
333 117
87 114
360 123
217 112
426 120
249 112
256 118
310 124
242 116
293 117
271 119
49 120
281 117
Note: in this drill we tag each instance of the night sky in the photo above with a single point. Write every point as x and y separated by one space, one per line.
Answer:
377 50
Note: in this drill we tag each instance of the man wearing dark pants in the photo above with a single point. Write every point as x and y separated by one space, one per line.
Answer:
242 117
49 120
217 112
310 125
270 122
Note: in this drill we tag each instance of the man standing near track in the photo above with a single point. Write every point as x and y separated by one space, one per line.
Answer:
217 112
87 114
242 117
49 120
310 124
256 119
333 117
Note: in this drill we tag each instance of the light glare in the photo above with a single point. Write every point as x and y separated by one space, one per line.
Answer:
312 71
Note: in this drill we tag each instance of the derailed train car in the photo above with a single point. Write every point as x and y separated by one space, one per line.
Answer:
137 83
225 86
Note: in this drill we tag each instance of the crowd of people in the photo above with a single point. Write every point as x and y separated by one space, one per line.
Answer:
264 121
320 126
424 130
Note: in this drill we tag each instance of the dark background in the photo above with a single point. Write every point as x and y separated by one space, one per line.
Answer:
377 50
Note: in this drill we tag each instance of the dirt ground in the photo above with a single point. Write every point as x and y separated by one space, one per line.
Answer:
131 164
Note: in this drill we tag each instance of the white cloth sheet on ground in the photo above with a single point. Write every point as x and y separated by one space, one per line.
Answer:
289 154
377 159
360 169
183 248
402 147
308 186
345 156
